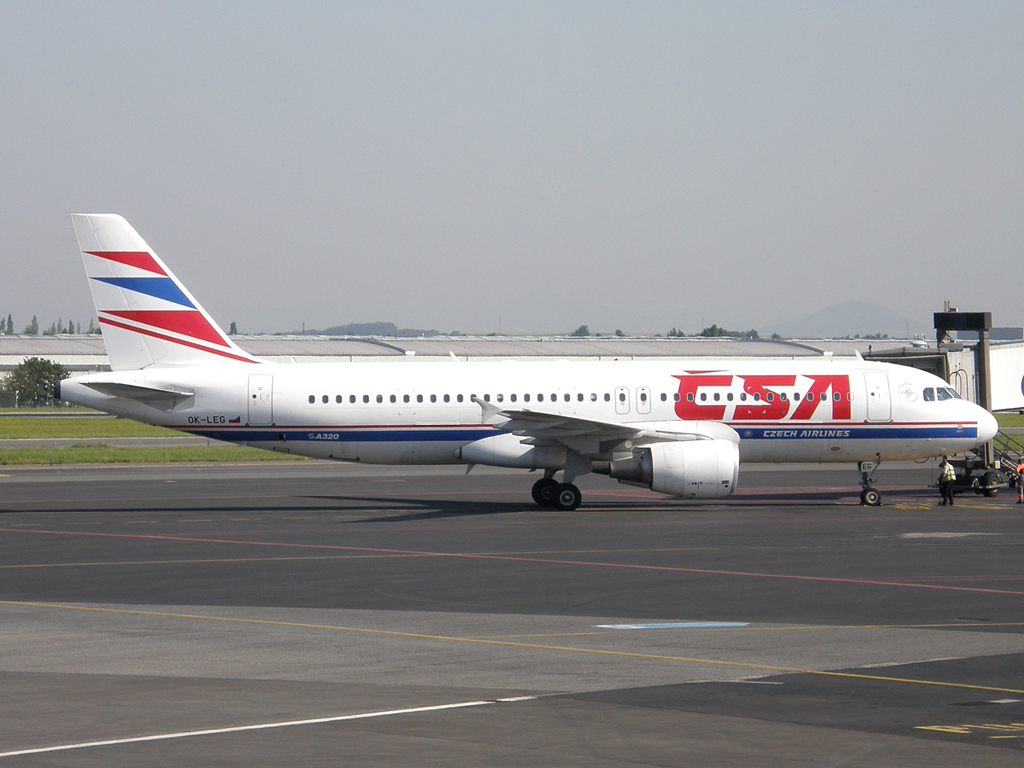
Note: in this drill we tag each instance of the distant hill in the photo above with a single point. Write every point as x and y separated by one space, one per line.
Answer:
372 329
849 319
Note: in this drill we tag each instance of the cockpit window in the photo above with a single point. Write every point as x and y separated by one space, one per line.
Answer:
954 393
943 393
929 394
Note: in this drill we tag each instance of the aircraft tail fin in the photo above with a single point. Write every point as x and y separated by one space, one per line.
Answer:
148 317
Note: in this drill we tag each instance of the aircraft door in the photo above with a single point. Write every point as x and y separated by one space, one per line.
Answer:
407 402
567 401
261 400
622 400
879 402
643 400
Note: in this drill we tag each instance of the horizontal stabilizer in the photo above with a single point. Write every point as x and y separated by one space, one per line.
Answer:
137 392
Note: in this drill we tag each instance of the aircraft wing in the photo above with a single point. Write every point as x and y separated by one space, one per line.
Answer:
589 437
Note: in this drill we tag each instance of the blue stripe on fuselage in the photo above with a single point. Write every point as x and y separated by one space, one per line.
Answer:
901 432
344 435
468 434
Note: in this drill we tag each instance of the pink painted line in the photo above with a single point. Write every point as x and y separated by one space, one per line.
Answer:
535 560
961 578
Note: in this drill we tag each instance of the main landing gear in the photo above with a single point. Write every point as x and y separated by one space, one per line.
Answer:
548 492
869 497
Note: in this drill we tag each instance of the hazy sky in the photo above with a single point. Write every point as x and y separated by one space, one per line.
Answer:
443 165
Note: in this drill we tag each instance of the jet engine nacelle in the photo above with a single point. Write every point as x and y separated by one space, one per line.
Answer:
694 469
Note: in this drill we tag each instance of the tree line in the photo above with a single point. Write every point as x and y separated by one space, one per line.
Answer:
59 326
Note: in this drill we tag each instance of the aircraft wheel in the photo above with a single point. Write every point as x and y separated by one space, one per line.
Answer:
990 478
869 497
567 497
544 491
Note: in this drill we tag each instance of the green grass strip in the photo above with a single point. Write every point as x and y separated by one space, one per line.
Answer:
1010 419
47 409
102 454
77 428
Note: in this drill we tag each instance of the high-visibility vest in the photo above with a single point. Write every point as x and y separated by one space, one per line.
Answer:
950 473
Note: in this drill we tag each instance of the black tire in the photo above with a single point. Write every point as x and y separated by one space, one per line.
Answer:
869 497
990 479
567 497
544 491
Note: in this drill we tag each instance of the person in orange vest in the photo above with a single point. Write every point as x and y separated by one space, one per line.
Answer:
1020 480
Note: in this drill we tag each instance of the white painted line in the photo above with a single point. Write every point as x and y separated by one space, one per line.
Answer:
257 727
1005 701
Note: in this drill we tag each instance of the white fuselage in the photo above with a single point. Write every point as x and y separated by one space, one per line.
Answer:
796 410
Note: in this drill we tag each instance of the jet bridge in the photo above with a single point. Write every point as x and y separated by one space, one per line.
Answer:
988 373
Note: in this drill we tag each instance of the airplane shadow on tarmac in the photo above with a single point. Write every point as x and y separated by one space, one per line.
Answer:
612 500
430 509
595 501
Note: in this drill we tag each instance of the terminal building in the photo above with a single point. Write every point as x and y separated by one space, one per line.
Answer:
955 361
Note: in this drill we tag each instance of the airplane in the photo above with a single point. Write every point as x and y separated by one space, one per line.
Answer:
681 427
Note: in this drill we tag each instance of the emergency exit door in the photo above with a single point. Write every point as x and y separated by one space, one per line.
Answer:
622 400
261 400
643 400
879 403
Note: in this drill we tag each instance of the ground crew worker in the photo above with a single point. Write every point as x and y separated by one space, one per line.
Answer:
1020 480
946 480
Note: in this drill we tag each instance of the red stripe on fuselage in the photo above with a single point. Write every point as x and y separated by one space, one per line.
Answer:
144 332
137 259
186 322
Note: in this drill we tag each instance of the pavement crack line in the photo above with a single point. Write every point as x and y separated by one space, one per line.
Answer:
528 646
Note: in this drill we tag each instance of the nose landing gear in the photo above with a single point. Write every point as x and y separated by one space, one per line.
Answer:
869 496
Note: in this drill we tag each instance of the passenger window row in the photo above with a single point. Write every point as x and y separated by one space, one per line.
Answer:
458 398
769 397
500 398
380 399
929 394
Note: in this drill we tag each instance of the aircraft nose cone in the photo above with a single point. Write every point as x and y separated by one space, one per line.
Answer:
987 426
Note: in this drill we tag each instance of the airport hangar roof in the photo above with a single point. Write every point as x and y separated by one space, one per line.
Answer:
87 353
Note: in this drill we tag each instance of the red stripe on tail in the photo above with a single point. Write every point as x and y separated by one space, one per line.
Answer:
186 322
137 259
190 345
